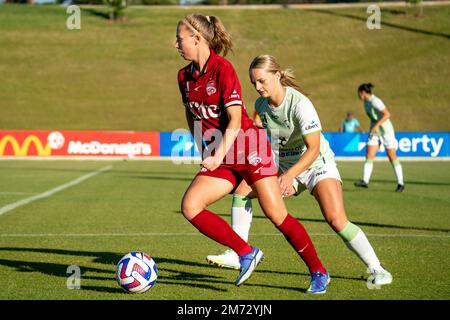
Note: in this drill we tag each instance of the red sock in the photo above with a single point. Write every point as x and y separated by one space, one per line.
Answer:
214 227
296 235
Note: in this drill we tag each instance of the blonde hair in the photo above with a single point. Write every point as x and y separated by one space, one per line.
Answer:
210 28
270 64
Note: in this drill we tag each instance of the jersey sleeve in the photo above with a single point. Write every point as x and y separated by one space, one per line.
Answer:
230 87
378 104
307 117
356 123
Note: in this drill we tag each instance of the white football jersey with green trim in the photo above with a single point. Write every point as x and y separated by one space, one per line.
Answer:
288 123
374 107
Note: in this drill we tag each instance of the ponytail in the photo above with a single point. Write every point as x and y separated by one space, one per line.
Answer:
366 87
287 79
221 41
211 29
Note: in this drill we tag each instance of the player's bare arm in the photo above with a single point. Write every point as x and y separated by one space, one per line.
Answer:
234 116
312 142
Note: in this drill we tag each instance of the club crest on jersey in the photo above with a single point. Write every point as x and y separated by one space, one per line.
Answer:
211 87
253 158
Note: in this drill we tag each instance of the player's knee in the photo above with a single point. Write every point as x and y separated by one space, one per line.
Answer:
276 218
337 223
191 208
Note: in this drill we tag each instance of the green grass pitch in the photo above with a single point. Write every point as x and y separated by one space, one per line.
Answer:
136 206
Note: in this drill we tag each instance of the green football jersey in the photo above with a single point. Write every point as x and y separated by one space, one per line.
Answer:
288 123
373 109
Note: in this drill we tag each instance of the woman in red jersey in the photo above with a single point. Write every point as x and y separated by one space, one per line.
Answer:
235 150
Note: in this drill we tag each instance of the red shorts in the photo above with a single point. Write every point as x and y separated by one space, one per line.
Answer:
249 159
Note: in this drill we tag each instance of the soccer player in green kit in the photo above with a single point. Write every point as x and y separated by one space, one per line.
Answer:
381 132
305 161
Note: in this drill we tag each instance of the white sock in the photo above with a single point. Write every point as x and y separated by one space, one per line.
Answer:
367 170
398 171
357 241
362 247
241 215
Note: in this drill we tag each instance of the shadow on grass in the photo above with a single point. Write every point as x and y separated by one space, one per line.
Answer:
383 23
166 275
348 183
381 225
359 223
164 178
96 13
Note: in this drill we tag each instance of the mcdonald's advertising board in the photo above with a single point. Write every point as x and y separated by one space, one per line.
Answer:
51 143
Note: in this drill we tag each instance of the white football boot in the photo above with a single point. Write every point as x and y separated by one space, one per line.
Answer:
228 259
380 277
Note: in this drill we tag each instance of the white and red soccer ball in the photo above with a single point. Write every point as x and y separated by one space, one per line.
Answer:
136 272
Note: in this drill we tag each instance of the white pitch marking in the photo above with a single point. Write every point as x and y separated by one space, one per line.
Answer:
51 192
171 234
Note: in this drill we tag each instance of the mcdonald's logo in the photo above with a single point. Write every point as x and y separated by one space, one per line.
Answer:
22 150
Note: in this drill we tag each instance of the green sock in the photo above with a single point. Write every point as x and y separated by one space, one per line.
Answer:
349 232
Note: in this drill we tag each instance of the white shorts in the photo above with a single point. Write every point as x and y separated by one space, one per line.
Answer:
388 140
310 178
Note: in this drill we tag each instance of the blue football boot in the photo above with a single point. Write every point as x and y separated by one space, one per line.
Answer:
248 262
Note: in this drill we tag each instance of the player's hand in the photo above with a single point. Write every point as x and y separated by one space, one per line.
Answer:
211 163
373 131
286 184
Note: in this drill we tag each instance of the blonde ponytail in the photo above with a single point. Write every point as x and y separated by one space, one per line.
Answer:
211 29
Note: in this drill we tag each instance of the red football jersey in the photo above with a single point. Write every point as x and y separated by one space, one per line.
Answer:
209 93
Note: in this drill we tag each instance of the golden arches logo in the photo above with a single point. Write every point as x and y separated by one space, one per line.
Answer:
22 150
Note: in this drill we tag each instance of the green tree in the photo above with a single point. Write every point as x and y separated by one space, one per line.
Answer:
116 9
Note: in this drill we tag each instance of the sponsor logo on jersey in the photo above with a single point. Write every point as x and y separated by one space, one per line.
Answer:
321 173
235 95
211 87
312 125
202 111
284 154
282 141
258 170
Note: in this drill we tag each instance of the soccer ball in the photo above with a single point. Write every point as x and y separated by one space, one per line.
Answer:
55 140
136 272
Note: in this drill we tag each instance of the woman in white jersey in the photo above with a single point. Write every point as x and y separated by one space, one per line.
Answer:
381 132
305 161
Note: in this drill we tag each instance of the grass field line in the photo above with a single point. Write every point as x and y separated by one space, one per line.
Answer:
51 192
182 234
